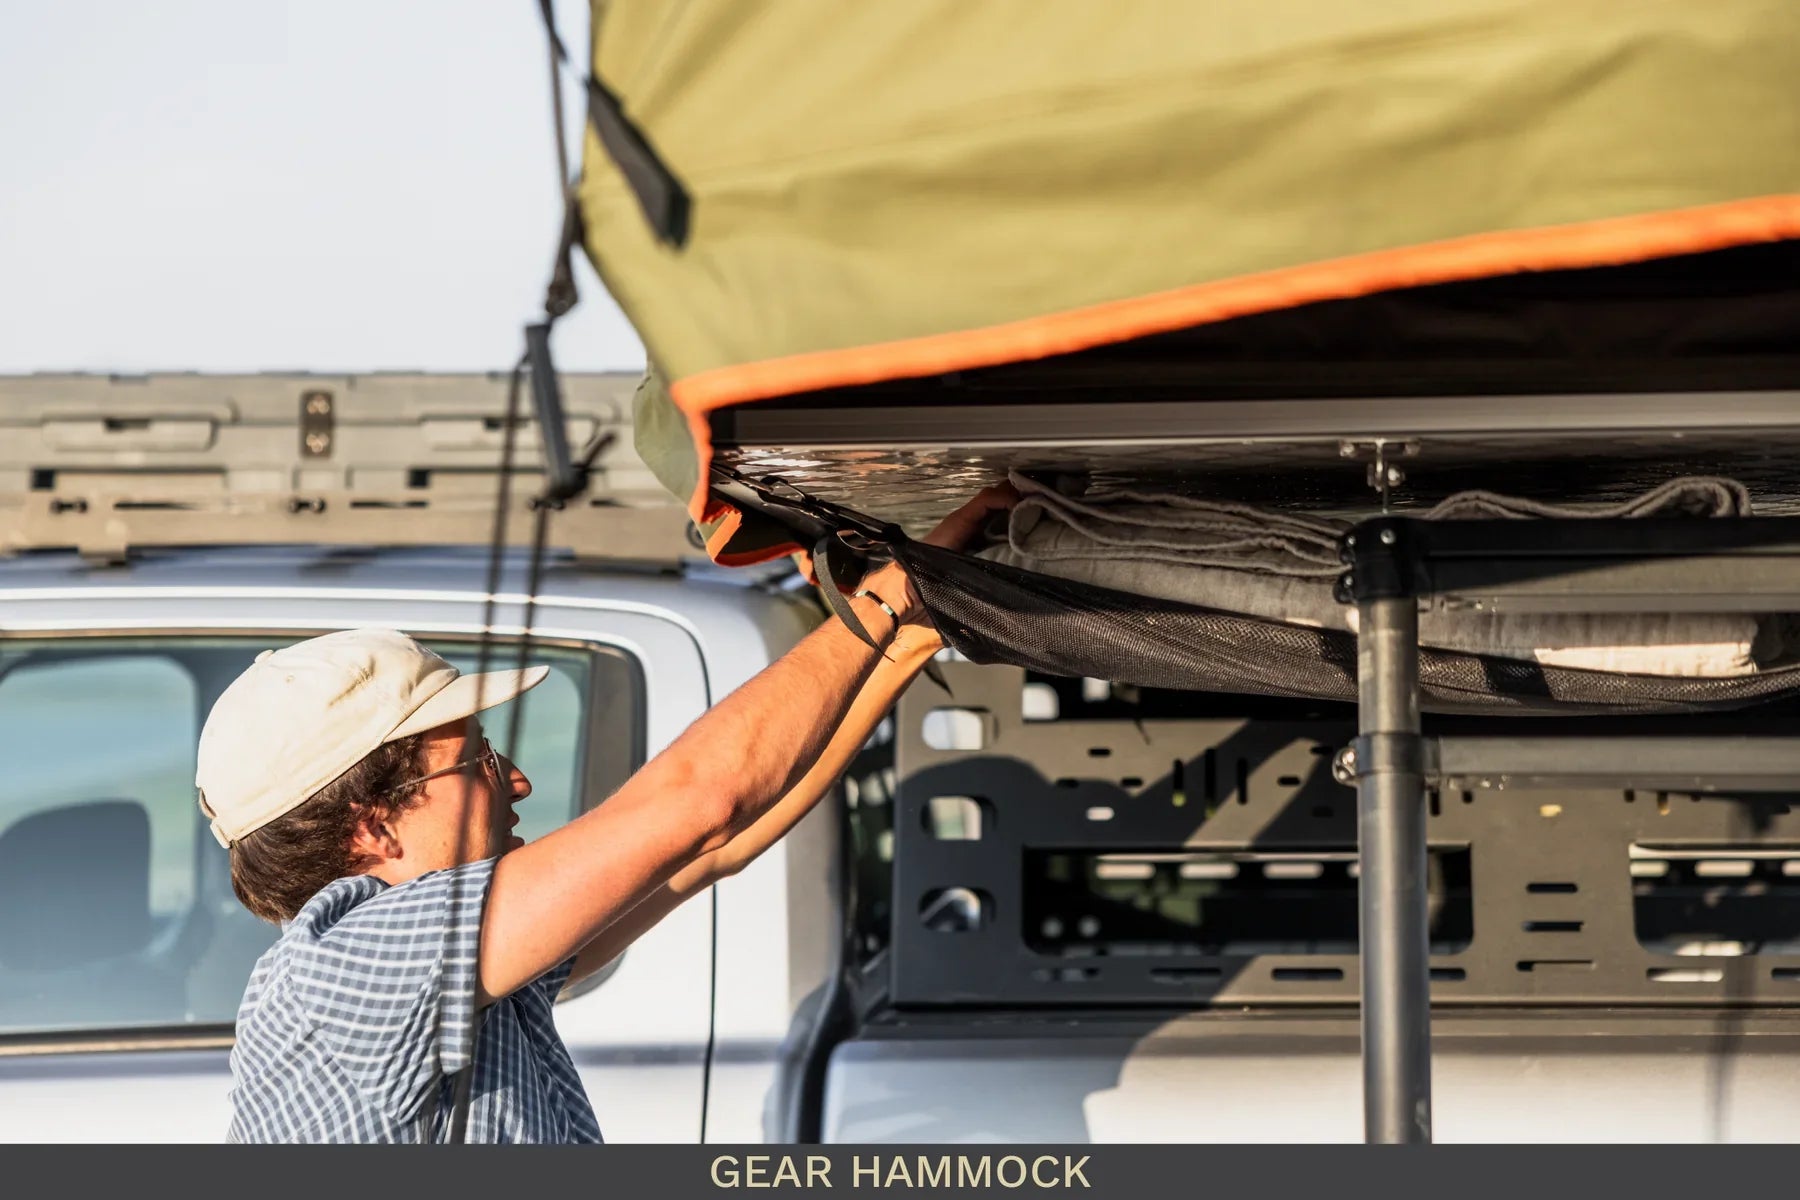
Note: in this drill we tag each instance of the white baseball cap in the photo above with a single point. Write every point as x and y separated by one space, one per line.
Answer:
301 716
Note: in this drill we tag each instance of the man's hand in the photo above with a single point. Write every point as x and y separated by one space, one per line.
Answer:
952 533
960 527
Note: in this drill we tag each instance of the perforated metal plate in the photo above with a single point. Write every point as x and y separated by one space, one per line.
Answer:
1555 920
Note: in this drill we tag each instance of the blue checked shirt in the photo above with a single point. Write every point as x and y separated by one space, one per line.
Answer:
356 1018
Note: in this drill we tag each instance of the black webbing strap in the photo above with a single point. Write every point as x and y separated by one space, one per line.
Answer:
459 1113
831 560
662 197
560 296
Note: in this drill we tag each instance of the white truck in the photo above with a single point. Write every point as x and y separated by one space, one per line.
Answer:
1006 928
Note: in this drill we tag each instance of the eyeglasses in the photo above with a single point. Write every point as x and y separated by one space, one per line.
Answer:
488 758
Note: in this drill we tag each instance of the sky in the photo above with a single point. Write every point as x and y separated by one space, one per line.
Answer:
261 185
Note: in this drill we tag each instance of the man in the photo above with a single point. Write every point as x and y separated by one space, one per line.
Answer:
365 810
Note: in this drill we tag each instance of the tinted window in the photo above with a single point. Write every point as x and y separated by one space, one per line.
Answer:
116 910
551 749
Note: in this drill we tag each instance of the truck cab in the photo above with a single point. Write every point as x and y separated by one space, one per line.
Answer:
123 953
1038 909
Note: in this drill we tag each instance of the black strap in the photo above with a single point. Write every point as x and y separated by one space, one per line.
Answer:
830 560
662 197
547 10
935 673
459 1113
428 1113
664 200
460 1085
459 1105
562 295
559 298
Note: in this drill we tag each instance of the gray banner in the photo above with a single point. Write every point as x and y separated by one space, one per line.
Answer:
718 1172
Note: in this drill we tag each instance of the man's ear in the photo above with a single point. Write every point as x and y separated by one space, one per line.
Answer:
374 837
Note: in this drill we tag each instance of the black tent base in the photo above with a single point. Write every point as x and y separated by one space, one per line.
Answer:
1395 566
1568 386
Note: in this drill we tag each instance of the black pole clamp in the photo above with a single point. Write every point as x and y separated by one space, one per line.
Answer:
1386 561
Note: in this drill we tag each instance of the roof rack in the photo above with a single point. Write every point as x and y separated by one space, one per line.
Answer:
107 464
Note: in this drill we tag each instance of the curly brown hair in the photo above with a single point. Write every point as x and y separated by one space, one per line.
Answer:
281 866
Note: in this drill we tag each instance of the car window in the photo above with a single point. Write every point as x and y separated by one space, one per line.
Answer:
116 909
550 747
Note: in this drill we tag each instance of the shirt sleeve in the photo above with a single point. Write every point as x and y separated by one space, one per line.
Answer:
535 1003
389 987
552 981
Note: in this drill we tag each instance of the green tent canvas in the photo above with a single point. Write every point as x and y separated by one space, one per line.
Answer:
872 192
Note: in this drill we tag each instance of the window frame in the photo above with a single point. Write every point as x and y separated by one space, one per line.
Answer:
597 783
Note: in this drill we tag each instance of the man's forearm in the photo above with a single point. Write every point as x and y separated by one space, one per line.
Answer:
906 656
551 897
764 738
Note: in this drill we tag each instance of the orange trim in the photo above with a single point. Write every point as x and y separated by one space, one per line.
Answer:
1611 242
803 560
730 520
755 556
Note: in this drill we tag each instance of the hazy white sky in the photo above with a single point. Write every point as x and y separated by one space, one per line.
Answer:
228 185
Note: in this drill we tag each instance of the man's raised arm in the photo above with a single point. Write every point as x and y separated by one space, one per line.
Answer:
553 896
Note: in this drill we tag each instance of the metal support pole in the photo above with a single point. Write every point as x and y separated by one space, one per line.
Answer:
1395 946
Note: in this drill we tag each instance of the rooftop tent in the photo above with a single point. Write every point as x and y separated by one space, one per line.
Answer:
801 198
878 253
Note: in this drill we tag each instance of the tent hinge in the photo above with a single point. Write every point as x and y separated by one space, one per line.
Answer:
1384 474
